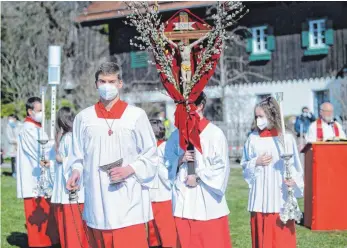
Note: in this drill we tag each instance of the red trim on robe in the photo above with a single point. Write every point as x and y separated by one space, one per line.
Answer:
40 222
159 142
203 234
29 119
162 230
115 112
203 124
268 133
69 221
130 237
268 231
320 130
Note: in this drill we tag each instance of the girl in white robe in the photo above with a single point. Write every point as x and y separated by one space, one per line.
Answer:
264 171
72 229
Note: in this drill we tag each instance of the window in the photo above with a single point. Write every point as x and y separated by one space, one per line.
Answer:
259 40
261 43
317 34
320 97
262 97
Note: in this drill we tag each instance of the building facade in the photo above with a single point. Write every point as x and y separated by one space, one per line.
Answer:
298 48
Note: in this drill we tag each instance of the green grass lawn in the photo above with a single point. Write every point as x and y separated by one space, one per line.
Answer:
12 218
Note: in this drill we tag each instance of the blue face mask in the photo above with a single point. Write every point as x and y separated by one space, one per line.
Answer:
12 124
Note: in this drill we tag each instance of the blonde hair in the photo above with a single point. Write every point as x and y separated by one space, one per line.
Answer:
272 113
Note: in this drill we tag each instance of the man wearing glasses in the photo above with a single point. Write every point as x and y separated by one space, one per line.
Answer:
119 137
325 128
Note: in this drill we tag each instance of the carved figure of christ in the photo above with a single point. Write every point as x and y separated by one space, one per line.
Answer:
185 51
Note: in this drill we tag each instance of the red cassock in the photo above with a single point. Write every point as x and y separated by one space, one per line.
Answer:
162 230
119 238
40 222
268 231
72 229
207 234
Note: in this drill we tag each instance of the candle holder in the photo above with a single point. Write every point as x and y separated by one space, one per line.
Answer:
44 187
290 210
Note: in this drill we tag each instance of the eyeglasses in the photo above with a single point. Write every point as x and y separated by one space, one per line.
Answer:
328 111
100 81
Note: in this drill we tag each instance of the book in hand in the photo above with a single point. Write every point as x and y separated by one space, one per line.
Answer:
107 167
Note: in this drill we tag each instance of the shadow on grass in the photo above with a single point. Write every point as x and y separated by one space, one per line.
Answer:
6 173
18 239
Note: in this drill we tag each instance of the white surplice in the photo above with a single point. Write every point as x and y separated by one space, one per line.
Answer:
163 190
28 159
267 191
328 132
62 172
207 200
114 206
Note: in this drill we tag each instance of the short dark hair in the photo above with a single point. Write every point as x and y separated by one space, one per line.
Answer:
14 116
158 128
202 99
30 103
108 68
65 118
302 110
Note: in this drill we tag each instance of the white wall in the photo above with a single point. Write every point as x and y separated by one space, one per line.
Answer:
241 99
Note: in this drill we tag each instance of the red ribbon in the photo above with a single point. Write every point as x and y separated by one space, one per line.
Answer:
187 122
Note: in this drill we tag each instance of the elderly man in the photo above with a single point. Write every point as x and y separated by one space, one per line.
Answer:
325 128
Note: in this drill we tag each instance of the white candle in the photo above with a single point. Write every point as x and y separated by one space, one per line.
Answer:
43 112
282 119
279 98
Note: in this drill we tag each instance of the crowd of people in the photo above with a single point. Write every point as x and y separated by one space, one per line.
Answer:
143 197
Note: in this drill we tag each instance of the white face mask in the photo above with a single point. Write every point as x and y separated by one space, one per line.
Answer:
108 91
37 116
262 122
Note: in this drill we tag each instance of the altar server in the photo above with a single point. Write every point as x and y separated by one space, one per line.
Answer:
71 227
115 213
325 127
264 171
161 230
200 208
40 222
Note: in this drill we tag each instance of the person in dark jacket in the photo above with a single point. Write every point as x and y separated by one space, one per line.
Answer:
303 121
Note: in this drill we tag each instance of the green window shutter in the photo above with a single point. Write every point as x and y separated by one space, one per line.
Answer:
271 43
249 46
271 40
139 59
329 33
304 35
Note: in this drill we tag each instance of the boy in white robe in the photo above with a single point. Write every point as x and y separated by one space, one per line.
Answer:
200 208
40 222
162 229
115 213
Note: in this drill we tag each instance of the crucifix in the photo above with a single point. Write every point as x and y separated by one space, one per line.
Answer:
184 33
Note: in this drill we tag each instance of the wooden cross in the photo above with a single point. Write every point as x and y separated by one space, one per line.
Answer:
184 32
